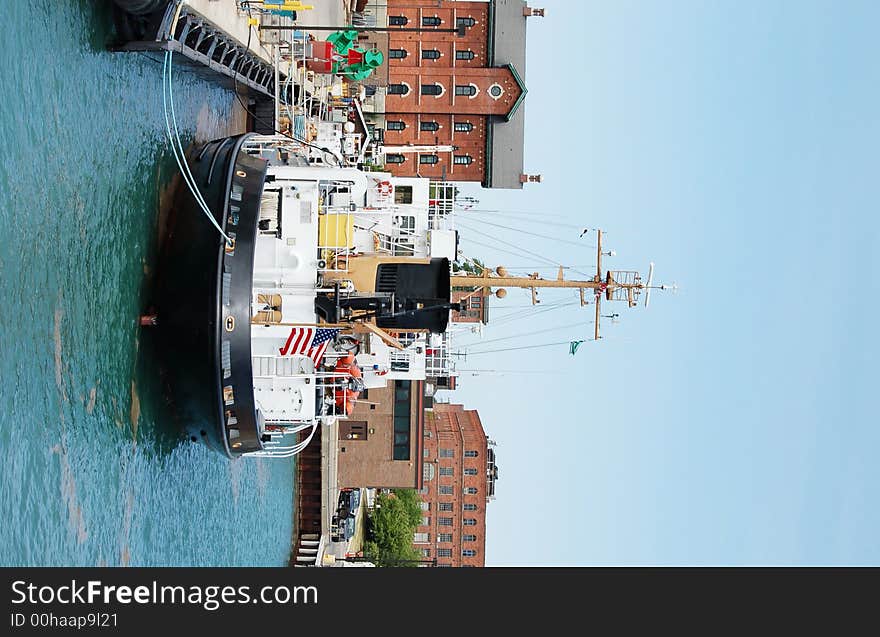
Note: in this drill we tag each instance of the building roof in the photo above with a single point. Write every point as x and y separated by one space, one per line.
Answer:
505 136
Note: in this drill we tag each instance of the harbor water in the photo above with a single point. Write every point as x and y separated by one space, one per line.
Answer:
94 470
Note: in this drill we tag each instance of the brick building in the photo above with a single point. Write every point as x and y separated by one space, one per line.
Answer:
458 81
380 445
459 476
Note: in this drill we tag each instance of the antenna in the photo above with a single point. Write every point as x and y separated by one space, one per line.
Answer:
648 284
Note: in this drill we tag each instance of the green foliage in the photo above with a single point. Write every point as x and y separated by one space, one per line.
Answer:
392 523
471 266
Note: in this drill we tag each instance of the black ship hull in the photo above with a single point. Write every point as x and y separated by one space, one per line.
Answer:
203 299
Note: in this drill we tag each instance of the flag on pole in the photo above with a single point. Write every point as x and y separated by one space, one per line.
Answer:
308 341
573 347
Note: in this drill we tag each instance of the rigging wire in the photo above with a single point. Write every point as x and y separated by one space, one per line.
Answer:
534 254
527 232
521 335
513 349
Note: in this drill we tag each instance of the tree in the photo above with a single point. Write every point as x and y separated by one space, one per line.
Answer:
391 525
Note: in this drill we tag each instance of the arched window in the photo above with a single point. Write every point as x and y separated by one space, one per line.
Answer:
463 127
462 160
469 507
465 22
432 89
397 20
470 490
428 159
431 21
397 54
429 126
394 158
398 89
468 90
469 522
430 54
395 125
470 472
464 55
468 537
469 553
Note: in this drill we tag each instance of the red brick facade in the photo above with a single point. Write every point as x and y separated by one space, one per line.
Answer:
457 460
435 71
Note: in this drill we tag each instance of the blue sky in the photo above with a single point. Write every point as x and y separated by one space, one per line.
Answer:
734 144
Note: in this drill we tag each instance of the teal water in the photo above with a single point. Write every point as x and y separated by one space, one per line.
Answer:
92 471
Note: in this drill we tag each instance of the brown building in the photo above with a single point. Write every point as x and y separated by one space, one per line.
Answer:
457 81
381 444
474 308
459 476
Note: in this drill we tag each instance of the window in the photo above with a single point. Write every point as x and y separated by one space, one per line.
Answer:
426 552
446 472
431 21
395 125
470 490
447 453
397 20
426 506
403 194
465 22
445 490
398 89
427 472
471 454
469 507
429 126
463 127
464 55
428 159
402 420
467 472
421 538
445 521
468 90
468 538
426 521
430 54
462 160
444 537
470 521
468 553
432 89
394 158
397 54
496 91
444 552
445 506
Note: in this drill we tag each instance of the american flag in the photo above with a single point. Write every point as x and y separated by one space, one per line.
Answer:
308 341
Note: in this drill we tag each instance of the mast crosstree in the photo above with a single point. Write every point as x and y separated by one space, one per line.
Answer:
614 285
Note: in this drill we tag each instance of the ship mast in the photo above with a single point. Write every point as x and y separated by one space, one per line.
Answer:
617 285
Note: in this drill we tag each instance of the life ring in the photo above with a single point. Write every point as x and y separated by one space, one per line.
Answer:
385 188
345 396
